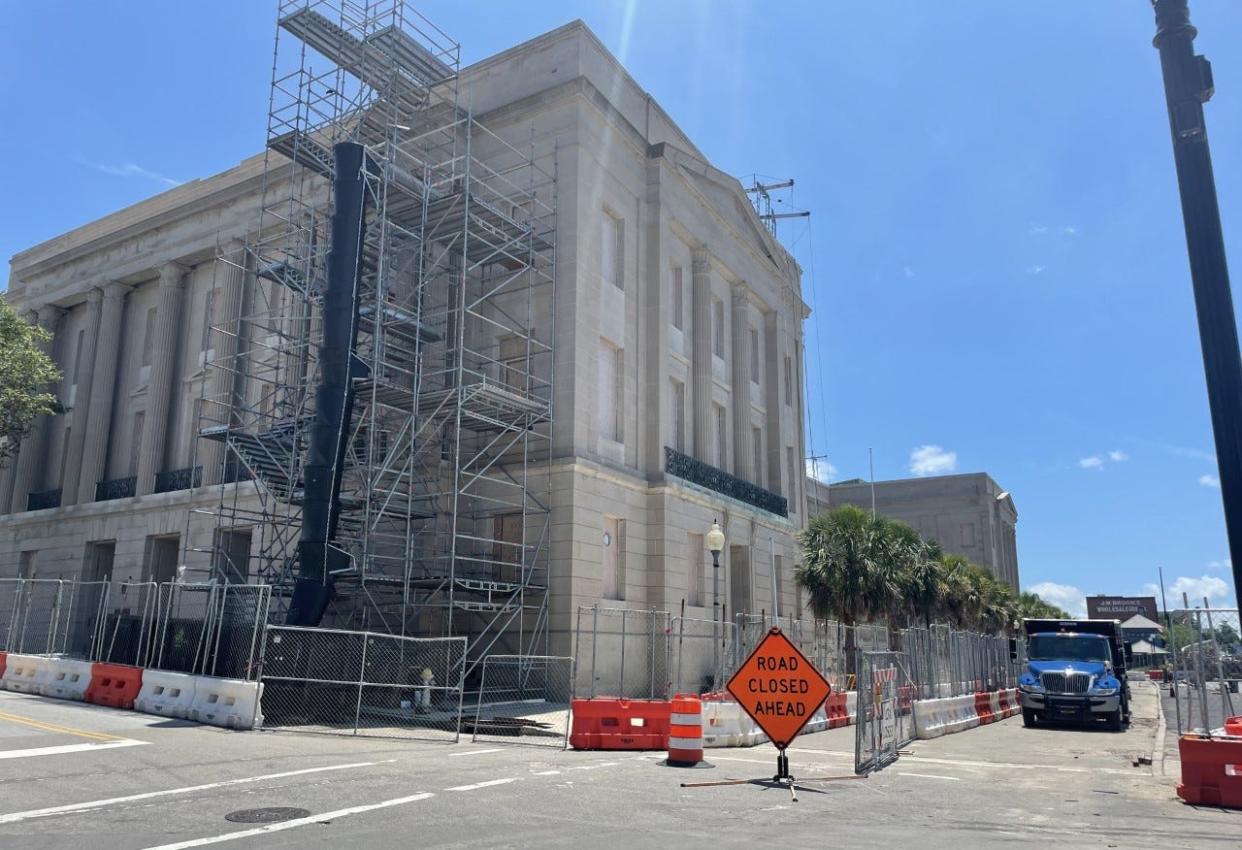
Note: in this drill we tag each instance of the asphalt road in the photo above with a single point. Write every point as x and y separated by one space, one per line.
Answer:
80 776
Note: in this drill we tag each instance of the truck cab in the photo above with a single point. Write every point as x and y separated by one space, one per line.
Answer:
1076 671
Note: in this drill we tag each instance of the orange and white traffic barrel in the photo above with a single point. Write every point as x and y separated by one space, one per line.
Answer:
685 732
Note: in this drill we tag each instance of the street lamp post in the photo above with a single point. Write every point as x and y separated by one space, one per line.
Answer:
715 543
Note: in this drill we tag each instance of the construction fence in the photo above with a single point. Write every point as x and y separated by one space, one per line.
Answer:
652 654
1203 667
362 683
201 629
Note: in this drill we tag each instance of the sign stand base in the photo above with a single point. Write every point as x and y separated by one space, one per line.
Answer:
782 779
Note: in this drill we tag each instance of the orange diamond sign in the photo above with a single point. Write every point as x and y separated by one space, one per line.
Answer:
779 688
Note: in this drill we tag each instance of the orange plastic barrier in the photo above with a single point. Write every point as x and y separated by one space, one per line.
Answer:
835 708
1233 725
4 662
1156 675
983 707
620 724
905 699
1211 771
685 732
114 685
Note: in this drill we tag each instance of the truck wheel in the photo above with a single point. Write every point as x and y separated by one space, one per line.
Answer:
1114 721
1028 717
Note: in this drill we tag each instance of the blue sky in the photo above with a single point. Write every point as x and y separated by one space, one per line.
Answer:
995 255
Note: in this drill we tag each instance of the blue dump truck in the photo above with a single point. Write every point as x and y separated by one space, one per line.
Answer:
1076 671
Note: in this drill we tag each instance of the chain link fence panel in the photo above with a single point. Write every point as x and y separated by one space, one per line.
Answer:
623 653
1204 666
885 720
524 699
362 683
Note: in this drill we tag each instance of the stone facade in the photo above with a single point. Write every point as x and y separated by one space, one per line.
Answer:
969 515
678 325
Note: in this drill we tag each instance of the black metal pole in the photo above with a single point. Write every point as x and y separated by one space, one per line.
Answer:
1187 86
317 557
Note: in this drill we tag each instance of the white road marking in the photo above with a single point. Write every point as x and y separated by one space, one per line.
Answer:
291 824
489 783
594 766
168 792
932 776
70 748
547 773
474 752
914 757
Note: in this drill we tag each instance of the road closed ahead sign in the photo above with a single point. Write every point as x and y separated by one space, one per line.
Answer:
779 688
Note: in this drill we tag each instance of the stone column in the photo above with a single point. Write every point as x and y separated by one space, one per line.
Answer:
163 373
743 445
30 465
82 399
222 371
702 421
103 384
774 353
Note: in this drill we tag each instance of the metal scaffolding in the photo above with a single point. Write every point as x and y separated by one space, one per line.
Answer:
443 489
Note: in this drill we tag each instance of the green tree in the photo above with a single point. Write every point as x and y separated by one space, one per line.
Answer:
1032 606
26 375
845 566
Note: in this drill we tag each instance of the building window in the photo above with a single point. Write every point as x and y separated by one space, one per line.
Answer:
611 374
792 487
718 327
695 562
148 337
135 445
232 556
756 438
161 558
679 298
722 434
27 564
613 561
209 319
968 534
677 402
77 356
754 356
511 354
789 381
610 251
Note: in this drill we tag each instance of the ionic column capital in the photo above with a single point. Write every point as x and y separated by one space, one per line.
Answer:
114 290
700 261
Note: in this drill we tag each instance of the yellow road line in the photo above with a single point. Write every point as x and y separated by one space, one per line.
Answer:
56 727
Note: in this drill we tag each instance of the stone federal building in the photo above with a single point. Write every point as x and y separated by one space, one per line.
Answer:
969 515
677 351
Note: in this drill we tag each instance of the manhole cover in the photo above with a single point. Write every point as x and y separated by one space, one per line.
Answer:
272 814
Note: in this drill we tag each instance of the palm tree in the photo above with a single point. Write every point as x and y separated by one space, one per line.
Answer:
1031 606
846 569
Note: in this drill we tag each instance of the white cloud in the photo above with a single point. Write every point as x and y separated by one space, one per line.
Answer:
1064 596
908 272
1037 229
932 460
1209 481
1070 231
1215 589
1118 456
1093 462
129 169
1226 564
821 470
1035 269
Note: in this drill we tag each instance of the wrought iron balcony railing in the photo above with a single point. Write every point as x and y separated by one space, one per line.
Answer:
178 479
43 501
705 475
117 488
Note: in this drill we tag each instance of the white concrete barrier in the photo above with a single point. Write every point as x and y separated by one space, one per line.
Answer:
65 678
166 694
26 674
936 717
998 713
817 723
231 703
725 724
851 706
